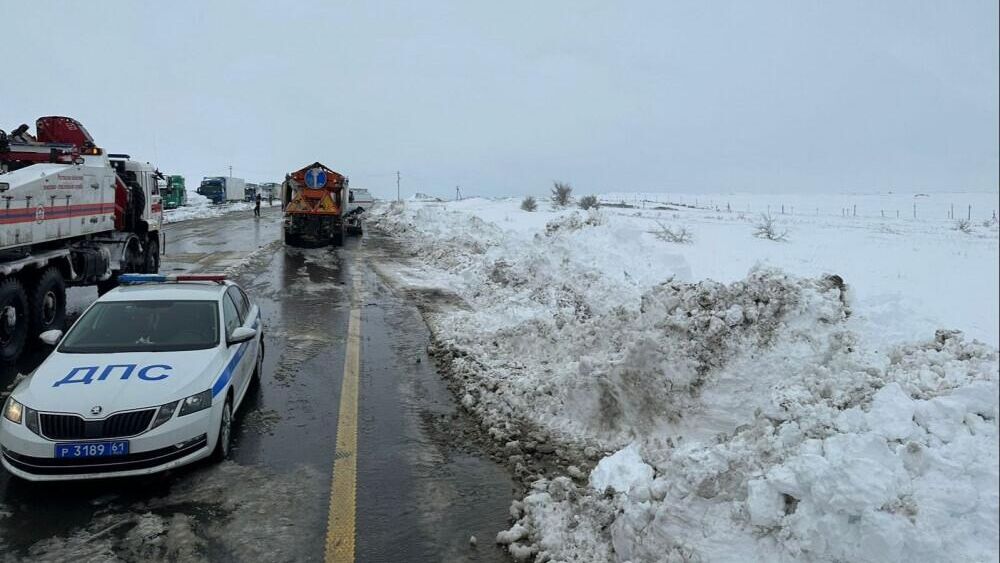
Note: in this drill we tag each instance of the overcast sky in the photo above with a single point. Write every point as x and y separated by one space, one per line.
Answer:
504 97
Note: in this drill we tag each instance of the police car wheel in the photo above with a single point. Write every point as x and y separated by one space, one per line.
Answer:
258 369
13 319
225 432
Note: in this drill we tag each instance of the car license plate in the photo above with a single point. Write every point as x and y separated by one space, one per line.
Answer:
91 449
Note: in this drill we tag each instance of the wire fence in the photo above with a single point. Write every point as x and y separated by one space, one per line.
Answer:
973 207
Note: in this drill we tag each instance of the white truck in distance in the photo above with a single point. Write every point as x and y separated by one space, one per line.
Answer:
70 214
359 200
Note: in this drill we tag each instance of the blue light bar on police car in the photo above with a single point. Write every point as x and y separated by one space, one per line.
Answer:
163 278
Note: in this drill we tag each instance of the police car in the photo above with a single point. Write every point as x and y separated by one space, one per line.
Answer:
147 379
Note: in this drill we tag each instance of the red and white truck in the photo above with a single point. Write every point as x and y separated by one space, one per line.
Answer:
70 215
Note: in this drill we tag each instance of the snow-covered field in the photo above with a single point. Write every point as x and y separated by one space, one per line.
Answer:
732 398
200 207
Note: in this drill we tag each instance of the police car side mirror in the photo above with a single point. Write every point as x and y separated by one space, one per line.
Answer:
51 337
241 334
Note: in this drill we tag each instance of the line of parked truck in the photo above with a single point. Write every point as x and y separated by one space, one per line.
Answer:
72 214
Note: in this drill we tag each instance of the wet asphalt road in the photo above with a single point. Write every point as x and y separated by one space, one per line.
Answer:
421 492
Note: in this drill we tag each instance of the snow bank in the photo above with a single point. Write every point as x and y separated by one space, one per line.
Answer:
621 471
781 414
200 207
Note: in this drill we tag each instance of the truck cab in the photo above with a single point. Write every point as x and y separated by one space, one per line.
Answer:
174 194
250 192
142 178
214 189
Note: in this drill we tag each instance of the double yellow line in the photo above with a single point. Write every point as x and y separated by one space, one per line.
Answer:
340 527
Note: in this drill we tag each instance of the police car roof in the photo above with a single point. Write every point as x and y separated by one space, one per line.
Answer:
167 291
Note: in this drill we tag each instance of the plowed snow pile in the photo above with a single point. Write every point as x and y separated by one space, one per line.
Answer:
765 418
200 207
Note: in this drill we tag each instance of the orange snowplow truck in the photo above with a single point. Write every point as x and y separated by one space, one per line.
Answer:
314 199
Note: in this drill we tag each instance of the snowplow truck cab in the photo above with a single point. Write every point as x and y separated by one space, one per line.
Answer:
313 199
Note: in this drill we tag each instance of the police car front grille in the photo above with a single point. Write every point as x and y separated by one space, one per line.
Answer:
73 427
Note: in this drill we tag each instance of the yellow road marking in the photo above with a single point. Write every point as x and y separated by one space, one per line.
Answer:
340 521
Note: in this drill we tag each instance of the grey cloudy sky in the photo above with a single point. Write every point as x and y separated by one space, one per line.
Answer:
504 97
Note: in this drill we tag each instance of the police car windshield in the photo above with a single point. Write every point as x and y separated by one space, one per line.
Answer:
144 326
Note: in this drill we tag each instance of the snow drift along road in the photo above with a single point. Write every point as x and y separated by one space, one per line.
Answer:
764 418
200 207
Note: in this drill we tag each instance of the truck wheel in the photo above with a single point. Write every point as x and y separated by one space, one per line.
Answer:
152 257
135 259
13 320
47 302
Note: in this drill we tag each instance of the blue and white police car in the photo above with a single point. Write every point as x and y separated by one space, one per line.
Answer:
147 379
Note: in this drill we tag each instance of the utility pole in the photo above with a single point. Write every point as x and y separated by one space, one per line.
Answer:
397 185
230 170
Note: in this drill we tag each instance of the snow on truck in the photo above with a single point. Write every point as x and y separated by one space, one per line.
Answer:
70 215
313 199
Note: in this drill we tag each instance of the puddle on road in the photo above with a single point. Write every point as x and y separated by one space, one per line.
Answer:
437 490
261 421
298 292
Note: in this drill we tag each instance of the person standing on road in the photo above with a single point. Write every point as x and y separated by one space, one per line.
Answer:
256 207
270 198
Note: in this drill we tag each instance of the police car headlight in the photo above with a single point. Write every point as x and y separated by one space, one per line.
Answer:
196 403
164 413
13 411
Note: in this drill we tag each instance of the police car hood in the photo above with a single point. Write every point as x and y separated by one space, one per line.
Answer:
79 382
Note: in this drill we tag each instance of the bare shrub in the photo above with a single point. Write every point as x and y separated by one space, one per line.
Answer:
573 222
561 194
766 228
529 204
679 235
588 202
963 225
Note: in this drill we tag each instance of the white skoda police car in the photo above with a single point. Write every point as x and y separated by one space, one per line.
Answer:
147 379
